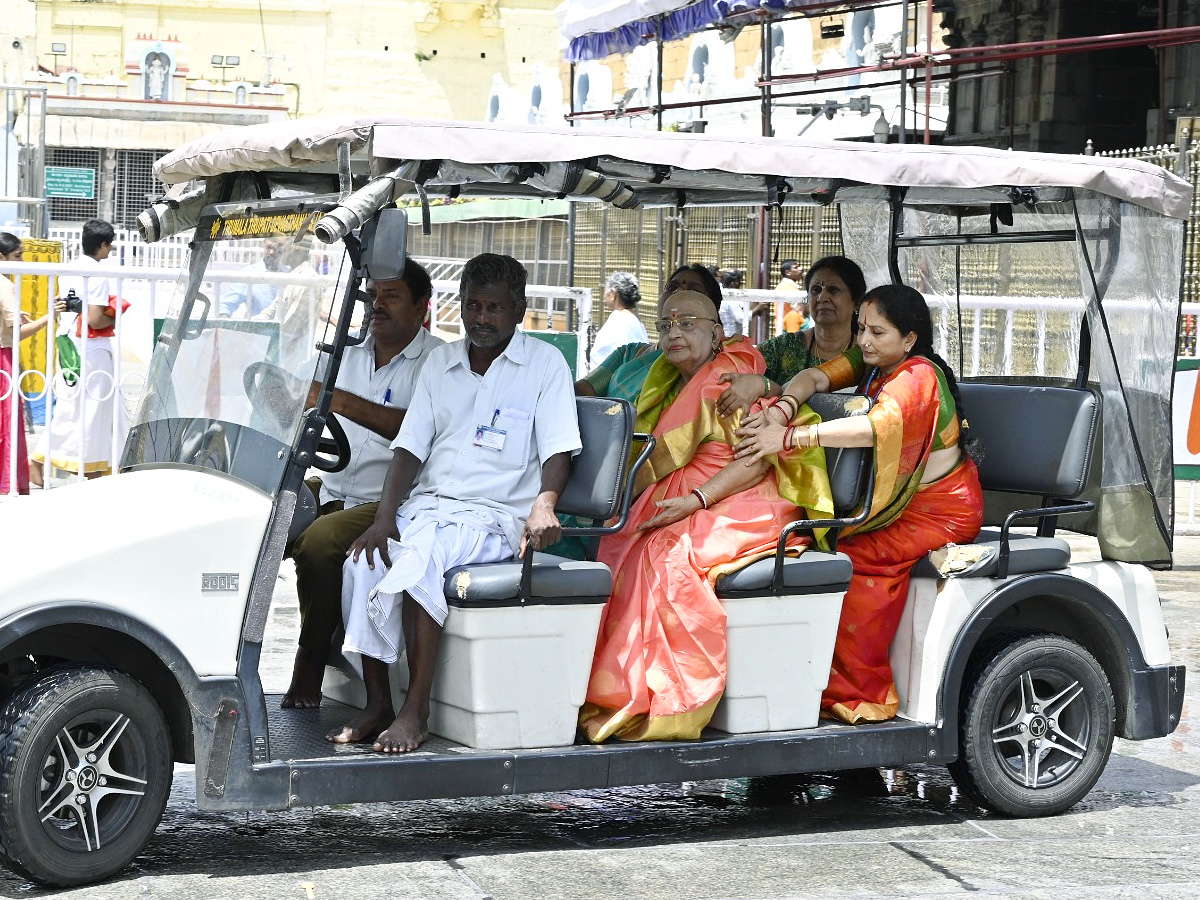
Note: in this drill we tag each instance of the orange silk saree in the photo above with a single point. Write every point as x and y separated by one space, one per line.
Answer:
660 662
908 520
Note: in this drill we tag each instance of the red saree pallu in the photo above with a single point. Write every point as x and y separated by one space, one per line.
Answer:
660 664
11 420
908 520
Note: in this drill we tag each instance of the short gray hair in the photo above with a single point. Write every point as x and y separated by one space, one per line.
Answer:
625 286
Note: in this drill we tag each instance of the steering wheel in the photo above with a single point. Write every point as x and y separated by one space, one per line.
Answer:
333 450
204 443
274 391
277 391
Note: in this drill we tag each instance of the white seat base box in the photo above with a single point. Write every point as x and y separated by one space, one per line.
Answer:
510 676
780 650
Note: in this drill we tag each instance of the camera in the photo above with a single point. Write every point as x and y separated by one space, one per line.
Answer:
74 302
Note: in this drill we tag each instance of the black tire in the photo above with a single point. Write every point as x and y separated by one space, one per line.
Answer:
1036 729
80 732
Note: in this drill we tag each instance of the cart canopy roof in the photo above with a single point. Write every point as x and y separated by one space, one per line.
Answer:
641 168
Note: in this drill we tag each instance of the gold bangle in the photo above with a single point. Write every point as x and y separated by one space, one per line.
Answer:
814 439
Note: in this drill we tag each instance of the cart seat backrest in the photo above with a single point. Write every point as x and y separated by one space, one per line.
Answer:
1036 440
848 465
598 471
594 490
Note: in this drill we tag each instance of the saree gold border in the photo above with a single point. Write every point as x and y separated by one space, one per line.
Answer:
600 724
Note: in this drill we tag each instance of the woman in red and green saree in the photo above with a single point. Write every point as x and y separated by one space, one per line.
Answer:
927 490
660 662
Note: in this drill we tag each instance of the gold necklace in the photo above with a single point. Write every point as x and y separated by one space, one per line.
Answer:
817 353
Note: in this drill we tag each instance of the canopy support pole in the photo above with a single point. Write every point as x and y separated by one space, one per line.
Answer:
903 138
658 73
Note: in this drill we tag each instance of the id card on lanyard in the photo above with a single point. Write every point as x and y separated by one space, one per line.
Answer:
489 436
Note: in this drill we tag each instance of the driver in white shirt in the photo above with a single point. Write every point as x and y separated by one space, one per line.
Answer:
374 387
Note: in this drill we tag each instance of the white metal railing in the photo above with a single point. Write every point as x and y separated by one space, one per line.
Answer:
129 250
149 291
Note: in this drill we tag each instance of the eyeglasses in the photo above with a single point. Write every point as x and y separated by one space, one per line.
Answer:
686 324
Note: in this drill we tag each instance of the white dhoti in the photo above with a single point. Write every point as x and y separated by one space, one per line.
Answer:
430 545
86 415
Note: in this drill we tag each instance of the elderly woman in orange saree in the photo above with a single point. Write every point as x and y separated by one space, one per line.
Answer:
927 491
660 662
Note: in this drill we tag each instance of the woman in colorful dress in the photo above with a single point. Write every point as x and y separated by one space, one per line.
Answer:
927 490
835 286
15 326
660 662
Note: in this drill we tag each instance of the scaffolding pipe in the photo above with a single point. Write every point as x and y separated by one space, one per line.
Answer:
928 68
948 58
904 75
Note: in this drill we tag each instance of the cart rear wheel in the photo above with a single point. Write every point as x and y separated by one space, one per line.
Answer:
85 769
1036 729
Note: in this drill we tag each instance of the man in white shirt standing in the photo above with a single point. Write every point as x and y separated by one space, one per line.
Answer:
88 413
374 387
491 430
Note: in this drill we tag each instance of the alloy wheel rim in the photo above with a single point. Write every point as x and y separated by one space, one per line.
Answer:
91 782
1041 729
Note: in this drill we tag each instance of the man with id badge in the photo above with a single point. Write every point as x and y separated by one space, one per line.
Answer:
486 447
374 386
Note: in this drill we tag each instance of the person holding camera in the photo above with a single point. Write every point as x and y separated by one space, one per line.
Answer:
79 434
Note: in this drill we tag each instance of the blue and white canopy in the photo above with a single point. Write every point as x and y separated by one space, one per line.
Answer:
593 29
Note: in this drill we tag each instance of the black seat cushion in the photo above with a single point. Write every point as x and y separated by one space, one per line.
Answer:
555 580
812 572
1027 553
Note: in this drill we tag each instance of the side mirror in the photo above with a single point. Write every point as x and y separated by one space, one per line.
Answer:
385 242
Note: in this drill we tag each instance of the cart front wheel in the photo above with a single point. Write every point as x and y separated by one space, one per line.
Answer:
1037 728
85 769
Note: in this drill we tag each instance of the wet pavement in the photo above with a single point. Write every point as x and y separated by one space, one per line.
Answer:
864 834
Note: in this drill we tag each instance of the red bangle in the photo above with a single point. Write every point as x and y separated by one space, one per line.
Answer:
699 495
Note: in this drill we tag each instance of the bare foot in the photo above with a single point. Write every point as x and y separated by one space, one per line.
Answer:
404 735
308 671
364 727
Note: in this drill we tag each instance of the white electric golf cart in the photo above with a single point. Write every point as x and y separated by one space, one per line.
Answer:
1055 285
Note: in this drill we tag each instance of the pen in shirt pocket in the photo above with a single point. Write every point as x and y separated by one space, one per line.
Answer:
387 396
495 416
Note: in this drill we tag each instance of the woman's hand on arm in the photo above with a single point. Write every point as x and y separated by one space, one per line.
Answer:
742 392
760 439
805 383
